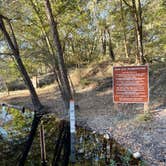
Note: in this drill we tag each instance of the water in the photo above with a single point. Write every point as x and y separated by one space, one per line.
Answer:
91 148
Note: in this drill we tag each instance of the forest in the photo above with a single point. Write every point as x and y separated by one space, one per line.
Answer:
53 52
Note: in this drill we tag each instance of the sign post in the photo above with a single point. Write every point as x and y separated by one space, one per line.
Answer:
72 131
131 84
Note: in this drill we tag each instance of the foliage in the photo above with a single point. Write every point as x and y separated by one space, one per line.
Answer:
19 126
126 159
144 117
82 27
84 82
112 162
88 32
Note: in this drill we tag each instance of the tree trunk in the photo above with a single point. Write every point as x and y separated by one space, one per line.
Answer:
60 86
104 43
140 36
137 16
51 53
34 97
111 52
124 31
62 69
138 27
29 142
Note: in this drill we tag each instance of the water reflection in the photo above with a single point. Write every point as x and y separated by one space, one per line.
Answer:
91 148
14 124
4 116
3 133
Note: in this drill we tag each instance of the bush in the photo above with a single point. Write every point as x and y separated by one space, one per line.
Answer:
46 80
16 85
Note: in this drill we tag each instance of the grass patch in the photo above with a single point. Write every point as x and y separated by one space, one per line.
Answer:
144 117
85 82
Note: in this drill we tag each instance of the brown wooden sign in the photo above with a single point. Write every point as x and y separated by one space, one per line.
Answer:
130 84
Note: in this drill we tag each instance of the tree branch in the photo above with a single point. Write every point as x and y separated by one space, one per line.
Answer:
6 34
6 53
3 17
13 35
127 3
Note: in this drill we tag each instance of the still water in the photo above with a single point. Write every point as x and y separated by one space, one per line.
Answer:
91 148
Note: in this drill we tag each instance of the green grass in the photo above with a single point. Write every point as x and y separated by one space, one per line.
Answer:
144 117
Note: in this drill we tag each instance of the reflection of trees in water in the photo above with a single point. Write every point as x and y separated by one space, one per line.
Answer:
14 129
14 124
90 147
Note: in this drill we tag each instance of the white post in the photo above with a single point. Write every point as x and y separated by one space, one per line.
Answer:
72 131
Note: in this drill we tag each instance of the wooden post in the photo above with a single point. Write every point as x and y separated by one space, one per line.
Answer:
146 108
42 146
